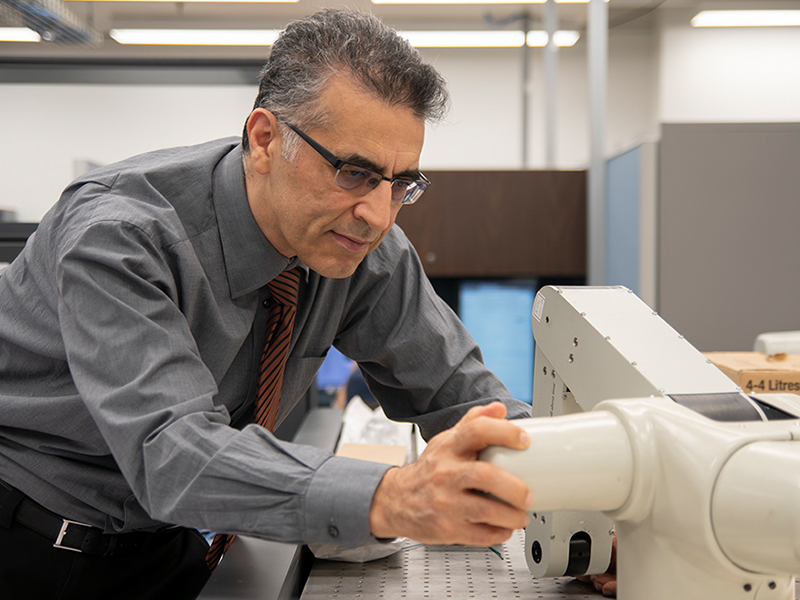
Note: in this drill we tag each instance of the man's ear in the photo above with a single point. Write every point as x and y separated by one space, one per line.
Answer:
262 131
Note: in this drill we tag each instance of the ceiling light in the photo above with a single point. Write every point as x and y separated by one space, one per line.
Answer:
266 37
464 39
196 37
477 1
182 1
18 34
563 39
487 39
747 18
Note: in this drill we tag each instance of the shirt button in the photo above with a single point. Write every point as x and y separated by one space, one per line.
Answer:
333 531
265 303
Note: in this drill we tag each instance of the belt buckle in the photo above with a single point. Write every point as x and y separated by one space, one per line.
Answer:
63 532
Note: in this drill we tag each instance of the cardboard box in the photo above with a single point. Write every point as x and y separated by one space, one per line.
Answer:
759 373
381 453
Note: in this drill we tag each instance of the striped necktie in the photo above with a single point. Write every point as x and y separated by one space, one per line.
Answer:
282 311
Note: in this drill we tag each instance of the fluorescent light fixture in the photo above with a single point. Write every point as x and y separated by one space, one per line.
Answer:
487 39
266 37
18 34
464 39
477 1
173 1
196 37
563 39
747 18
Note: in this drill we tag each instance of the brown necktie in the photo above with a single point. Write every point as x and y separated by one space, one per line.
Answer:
282 311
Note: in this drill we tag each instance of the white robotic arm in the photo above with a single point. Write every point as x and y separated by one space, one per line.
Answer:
703 490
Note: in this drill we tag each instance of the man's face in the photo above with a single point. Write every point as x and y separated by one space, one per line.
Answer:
304 213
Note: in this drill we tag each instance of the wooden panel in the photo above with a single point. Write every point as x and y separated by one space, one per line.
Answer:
500 224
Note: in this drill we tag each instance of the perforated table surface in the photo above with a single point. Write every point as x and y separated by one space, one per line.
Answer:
440 572
419 572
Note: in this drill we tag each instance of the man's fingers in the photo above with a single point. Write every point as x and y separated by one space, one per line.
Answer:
605 583
480 534
483 509
497 483
448 496
495 410
468 534
610 588
479 433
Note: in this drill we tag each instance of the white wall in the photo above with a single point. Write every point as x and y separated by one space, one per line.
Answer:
483 130
46 128
728 75
677 74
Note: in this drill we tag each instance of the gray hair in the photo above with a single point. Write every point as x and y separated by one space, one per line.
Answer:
309 52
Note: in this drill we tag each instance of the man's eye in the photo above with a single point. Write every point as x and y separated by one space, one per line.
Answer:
355 174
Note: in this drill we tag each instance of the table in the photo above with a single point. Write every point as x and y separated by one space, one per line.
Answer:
420 572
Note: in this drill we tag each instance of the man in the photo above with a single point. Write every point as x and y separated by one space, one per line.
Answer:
133 324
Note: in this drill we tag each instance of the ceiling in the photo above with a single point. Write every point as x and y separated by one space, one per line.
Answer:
103 16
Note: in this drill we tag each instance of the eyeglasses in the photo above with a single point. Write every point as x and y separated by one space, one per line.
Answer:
361 181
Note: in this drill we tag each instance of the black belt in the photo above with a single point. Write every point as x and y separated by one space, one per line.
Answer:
72 535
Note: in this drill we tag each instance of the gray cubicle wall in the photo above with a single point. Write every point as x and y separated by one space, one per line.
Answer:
630 237
729 231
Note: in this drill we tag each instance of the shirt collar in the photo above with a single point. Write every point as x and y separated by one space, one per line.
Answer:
251 261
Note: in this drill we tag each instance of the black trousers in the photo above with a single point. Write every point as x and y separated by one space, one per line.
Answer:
173 567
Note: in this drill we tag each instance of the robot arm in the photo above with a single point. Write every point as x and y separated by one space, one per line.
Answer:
582 462
699 485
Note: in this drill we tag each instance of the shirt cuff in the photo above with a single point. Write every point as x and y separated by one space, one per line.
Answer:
338 501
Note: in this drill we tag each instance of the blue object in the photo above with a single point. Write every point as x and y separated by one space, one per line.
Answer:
497 313
335 370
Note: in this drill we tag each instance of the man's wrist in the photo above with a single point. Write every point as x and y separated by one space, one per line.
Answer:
380 512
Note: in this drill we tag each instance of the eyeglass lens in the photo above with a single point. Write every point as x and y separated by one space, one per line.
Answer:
361 180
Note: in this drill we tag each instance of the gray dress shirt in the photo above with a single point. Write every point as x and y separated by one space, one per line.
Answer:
130 331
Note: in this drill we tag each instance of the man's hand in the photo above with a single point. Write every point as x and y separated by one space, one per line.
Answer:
449 497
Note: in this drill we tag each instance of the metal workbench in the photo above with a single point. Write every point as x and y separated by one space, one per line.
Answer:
419 572
440 572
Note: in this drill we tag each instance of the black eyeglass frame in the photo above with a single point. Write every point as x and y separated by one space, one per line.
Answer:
416 187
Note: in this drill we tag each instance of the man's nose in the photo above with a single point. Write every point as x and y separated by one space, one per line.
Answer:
376 208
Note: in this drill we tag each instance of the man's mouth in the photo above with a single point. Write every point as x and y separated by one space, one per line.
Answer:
351 243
